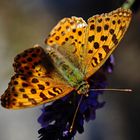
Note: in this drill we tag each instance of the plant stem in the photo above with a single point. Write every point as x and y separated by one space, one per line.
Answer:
128 3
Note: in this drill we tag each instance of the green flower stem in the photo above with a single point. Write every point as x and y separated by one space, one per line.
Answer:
128 4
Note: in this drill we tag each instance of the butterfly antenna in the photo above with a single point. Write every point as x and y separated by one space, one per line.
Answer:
74 117
112 89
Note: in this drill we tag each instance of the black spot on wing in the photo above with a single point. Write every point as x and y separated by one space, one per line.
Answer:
51 93
91 38
43 96
106 48
33 101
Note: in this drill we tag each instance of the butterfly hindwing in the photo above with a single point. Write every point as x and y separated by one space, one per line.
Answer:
37 84
68 37
106 31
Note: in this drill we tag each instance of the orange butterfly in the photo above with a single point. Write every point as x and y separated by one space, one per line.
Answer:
75 50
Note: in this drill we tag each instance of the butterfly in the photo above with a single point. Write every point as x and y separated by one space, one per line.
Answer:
74 51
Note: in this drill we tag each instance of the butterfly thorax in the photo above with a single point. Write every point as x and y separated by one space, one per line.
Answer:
68 71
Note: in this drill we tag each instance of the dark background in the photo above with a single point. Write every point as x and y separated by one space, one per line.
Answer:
24 23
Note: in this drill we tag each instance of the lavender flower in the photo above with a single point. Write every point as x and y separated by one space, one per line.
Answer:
56 118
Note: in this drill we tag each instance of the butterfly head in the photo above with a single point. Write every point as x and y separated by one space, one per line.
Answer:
83 88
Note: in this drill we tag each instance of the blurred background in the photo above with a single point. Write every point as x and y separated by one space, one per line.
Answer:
24 23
